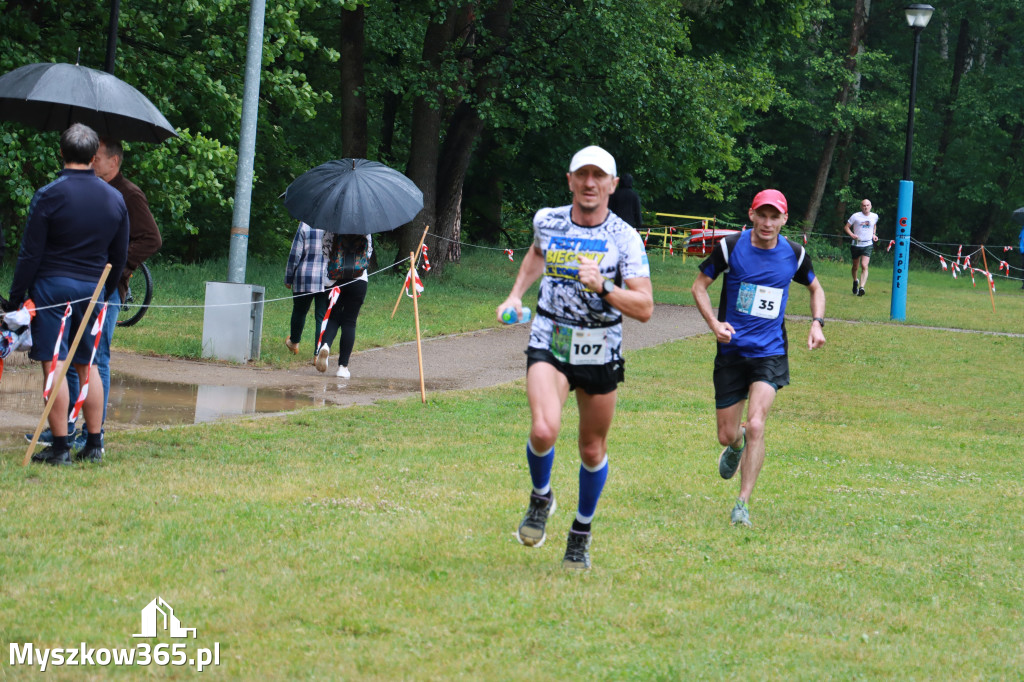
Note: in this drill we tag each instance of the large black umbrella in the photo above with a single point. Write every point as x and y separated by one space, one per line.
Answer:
1018 216
353 196
53 96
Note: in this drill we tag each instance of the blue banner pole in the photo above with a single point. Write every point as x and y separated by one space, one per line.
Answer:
901 261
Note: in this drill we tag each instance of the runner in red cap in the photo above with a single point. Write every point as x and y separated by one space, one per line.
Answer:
752 362
770 197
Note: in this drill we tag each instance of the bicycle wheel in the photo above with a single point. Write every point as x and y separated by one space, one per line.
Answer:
136 301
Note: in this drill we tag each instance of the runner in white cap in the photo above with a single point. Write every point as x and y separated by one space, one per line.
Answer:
593 270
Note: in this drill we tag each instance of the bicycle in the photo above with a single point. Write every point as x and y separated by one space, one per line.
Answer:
132 309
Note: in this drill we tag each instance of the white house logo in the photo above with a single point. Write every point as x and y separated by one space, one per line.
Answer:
158 614
157 619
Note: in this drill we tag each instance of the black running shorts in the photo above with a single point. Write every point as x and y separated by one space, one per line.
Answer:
734 374
591 379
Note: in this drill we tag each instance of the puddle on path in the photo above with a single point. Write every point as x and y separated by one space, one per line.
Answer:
138 401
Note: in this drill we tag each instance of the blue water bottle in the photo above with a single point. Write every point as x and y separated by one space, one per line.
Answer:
508 315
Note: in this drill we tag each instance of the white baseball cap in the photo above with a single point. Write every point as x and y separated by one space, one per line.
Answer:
593 156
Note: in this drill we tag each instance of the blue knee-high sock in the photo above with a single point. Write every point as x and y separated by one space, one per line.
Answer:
591 484
540 468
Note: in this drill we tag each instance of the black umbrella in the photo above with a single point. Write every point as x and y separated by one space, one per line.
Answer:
1018 216
353 196
53 96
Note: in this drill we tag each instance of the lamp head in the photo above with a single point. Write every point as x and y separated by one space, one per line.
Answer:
918 15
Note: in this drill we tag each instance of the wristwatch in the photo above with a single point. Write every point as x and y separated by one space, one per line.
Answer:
606 288
820 320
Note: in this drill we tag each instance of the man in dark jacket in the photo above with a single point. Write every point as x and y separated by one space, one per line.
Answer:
625 203
76 225
143 241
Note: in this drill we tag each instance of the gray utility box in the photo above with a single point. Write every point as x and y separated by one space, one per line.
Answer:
233 321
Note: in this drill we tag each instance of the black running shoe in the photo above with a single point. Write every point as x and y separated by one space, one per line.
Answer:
531 531
90 453
577 551
856 286
52 457
861 292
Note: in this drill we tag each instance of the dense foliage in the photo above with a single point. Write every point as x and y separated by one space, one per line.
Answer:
482 103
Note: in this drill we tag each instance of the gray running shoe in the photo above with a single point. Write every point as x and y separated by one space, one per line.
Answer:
577 551
730 458
531 531
322 356
740 514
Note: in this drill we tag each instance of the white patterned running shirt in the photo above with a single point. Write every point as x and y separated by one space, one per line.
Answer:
565 306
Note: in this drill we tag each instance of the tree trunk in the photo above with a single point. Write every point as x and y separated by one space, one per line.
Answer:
388 116
463 133
483 197
860 14
424 149
960 65
820 180
390 104
353 97
996 213
843 167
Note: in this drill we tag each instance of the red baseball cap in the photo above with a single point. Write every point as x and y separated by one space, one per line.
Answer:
771 197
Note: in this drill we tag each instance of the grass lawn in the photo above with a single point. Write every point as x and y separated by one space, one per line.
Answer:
377 542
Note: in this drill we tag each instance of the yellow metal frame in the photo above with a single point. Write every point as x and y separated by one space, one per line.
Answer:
667 233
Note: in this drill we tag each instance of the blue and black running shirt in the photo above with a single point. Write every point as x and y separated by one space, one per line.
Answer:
755 291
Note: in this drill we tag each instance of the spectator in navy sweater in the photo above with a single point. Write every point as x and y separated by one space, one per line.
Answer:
143 241
76 225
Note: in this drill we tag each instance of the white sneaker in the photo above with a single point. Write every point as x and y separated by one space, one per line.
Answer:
343 372
321 358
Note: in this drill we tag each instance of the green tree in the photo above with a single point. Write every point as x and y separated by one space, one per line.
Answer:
187 57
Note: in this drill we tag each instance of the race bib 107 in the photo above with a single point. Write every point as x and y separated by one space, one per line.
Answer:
578 346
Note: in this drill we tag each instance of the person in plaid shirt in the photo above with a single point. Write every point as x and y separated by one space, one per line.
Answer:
306 276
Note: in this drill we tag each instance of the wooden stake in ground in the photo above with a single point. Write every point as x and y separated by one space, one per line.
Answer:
64 365
991 279
416 314
414 258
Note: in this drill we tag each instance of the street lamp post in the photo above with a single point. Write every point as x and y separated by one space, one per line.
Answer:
918 16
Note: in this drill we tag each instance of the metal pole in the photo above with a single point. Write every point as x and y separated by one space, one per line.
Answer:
908 150
905 206
115 11
247 145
